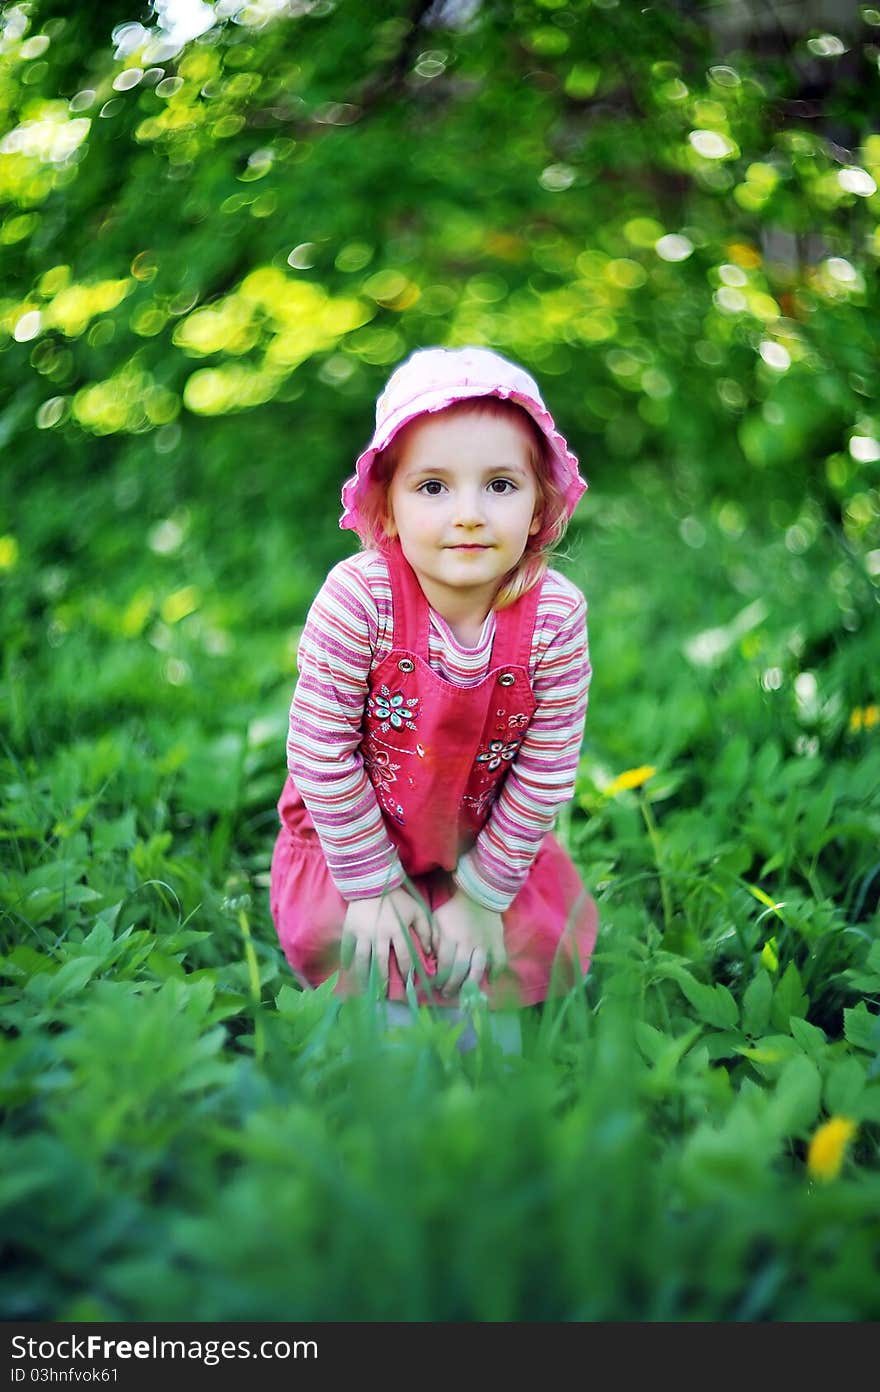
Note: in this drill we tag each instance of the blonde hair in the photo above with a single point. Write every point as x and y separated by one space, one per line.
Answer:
533 563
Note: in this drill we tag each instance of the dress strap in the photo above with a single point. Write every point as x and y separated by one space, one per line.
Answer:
411 617
514 630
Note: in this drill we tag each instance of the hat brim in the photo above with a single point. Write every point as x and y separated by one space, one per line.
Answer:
562 460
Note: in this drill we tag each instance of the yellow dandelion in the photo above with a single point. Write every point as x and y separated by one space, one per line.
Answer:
828 1148
631 778
8 552
864 717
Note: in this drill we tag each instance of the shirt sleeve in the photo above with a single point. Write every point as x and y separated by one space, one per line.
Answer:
323 744
542 776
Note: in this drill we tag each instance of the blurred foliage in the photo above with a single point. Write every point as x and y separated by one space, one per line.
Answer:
211 254
205 243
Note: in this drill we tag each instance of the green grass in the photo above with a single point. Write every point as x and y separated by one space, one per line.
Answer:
188 1135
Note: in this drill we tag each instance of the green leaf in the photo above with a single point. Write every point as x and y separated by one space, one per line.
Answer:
724 1044
811 1039
179 941
100 941
714 1004
672 1052
844 1085
868 980
817 817
867 983
227 1003
118 835
788 998
868 1107
165 967
756 1003
797 1096
733 860
765 765
849 830
774 862
862 1028
72 977
23 961
732 766
651 1041
770 1053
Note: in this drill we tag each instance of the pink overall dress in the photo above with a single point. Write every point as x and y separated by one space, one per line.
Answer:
437 755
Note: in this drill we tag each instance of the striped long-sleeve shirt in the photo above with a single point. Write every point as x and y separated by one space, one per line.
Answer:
348 632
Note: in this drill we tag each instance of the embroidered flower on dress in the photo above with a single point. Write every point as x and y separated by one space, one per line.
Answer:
497 751
479 802
394 709
382 773
379 766
517 722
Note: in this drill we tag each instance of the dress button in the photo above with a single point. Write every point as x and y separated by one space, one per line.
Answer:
406 664
506 679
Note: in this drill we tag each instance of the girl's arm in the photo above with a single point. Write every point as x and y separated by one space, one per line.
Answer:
542 776
323 746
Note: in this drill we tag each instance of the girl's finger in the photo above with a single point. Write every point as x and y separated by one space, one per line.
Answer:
402 953
477 967
381 955
456 976
420 921
421 926
362 953
445 961
405 928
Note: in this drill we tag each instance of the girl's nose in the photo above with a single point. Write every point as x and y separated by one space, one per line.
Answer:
469 511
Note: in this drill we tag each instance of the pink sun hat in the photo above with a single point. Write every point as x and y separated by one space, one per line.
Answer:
432 378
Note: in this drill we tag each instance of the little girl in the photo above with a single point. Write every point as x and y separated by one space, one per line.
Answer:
437 719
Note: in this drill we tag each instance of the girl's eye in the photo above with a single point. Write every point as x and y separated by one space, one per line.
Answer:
433 487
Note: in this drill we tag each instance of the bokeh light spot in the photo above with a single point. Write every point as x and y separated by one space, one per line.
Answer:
775 355
826 46
864 448
8 552
28 326
124 81
856 180
673 247
712 144
51 412
556 177
302 258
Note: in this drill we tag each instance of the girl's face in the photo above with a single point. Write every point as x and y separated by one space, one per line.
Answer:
463 501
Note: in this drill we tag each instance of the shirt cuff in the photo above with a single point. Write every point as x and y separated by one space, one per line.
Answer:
373 886
468 879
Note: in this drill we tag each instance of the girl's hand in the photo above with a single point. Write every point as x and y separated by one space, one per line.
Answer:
469 938
372 927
